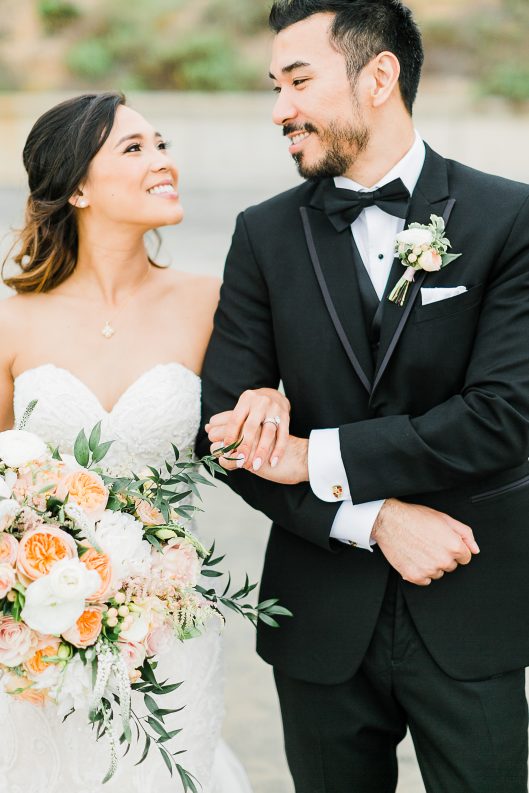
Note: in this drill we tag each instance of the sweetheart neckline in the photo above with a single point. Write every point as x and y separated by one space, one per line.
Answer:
92 393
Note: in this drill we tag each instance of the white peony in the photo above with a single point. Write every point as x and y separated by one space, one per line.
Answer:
120 536
415 237
75 687
18 447
55 602
9 509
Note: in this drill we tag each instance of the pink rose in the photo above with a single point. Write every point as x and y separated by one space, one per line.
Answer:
430 261
7 579
17 642
133 654
8 548
180 563
159 639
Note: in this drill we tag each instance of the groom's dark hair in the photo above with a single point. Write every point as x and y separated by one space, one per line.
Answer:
362 29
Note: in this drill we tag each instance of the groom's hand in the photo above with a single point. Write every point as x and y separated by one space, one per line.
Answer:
421 543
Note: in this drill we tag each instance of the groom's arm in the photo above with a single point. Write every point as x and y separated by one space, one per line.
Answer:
242 355
482 430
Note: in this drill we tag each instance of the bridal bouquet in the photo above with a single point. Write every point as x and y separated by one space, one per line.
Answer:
97 575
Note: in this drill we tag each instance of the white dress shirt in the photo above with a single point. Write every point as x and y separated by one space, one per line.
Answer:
374 232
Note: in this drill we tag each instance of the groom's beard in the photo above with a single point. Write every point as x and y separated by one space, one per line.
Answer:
342 145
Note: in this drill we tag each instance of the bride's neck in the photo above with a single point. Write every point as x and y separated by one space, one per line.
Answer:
108 271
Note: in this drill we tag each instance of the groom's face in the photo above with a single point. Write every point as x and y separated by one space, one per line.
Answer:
316 105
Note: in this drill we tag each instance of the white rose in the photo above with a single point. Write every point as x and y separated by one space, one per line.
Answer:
120 536
138 630
75 687
5 490
415 237
55 602
9 509
18 447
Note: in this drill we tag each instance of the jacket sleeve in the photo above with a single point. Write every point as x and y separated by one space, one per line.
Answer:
483 429
242 355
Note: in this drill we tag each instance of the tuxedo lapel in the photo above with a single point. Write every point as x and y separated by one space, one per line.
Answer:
332 258
430 197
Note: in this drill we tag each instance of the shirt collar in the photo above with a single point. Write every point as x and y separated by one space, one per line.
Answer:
408 169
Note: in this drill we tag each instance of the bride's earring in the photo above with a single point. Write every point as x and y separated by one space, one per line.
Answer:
82 203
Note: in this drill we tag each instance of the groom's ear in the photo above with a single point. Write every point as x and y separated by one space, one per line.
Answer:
79 199
384 71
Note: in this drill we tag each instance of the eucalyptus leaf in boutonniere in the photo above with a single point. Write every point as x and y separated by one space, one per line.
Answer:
421 247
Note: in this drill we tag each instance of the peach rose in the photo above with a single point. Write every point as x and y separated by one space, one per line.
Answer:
180 563
87 490
17 642
8 548
133 654
48 646
99 562
86 630
22 688
430 261
8 579
149 515
39 550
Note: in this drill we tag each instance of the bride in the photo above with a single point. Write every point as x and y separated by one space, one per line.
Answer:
98 332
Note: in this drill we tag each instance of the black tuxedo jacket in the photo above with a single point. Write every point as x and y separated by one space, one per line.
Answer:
440 417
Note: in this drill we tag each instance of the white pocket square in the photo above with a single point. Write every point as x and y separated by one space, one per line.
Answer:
437 293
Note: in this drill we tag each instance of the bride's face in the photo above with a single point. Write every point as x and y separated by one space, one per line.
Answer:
132 179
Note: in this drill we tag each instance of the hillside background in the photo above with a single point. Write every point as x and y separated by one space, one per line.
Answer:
221 45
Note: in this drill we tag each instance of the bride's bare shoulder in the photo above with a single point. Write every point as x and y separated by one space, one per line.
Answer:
14 313
202 290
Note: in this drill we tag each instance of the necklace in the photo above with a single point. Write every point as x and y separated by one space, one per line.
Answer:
108 330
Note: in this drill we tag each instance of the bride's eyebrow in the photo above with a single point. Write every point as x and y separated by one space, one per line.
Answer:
134 136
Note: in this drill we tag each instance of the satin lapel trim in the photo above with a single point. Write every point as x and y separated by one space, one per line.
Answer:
332 259
395 317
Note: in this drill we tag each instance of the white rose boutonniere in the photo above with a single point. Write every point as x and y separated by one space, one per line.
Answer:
421 247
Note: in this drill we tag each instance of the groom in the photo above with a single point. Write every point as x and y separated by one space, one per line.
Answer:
402 547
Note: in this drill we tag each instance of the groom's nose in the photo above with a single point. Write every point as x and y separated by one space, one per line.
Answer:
284 109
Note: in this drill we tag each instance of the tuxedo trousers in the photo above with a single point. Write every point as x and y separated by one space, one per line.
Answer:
470 737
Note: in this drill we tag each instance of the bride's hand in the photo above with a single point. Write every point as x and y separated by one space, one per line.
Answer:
254 419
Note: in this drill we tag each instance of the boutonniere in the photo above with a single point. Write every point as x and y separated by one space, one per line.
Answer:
421 247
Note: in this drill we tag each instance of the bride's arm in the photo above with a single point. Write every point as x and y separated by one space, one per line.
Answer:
6 377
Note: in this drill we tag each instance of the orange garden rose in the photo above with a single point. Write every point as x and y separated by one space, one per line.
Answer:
23 689
40 548
87 628
99 562
149 515
35 666
87 490
8 548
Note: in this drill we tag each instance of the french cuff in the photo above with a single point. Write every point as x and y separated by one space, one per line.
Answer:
327 476
353 524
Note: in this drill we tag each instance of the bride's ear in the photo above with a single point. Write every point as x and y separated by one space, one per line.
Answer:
79 199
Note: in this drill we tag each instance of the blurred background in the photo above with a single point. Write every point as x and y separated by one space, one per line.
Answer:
197 70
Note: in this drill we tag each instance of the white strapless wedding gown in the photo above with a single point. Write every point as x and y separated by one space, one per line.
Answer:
39 754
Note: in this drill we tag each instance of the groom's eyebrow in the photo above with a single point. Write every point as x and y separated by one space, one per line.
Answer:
134 136
290 68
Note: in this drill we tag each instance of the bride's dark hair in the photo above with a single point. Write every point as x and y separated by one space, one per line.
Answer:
57 155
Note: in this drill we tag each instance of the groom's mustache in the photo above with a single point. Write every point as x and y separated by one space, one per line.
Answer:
289 129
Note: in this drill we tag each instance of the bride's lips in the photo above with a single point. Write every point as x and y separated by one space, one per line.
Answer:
165 189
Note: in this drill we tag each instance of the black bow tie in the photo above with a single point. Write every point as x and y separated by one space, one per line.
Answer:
344 206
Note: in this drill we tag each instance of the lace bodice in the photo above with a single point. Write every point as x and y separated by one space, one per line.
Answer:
161 407
40 754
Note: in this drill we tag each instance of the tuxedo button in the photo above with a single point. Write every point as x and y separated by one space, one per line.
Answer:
337 491
353 544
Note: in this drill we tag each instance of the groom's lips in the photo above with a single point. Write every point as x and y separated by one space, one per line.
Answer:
297 139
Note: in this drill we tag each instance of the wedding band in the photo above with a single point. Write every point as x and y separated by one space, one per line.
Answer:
276 420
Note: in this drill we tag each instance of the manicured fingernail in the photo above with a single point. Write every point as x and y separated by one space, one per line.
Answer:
274 461
241 461
207 426
257 463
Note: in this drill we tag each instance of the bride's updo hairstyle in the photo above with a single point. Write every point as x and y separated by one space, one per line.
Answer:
57 155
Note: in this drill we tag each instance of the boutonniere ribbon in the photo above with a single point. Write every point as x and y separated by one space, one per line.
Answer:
421 247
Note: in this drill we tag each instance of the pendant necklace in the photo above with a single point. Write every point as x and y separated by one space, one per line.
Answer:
108 330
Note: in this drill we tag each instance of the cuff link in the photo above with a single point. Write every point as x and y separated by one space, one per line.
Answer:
337 491
353 544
